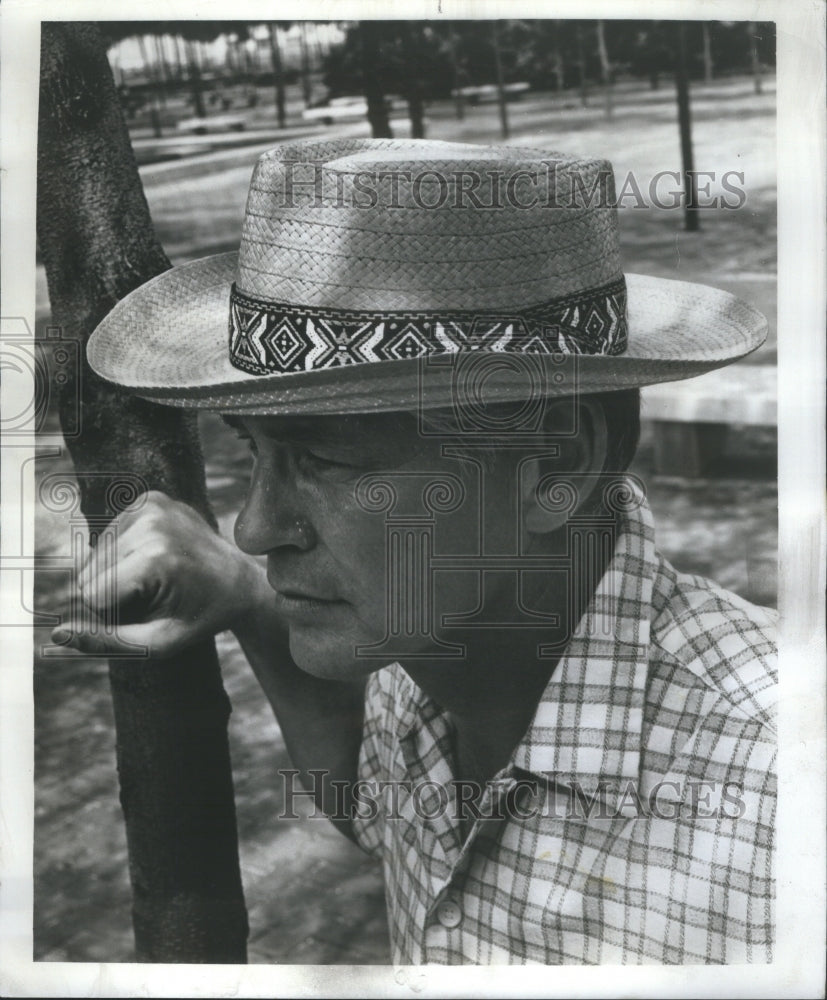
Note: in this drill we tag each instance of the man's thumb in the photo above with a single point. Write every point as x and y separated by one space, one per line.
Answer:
140 641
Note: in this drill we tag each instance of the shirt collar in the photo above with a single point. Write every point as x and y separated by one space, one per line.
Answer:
588 724
587 728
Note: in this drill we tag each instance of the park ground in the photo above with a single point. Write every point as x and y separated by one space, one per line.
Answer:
312 897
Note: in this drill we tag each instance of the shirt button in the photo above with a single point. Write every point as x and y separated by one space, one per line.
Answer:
448 913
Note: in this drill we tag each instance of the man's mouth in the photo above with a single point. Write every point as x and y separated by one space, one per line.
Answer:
289 601
294 599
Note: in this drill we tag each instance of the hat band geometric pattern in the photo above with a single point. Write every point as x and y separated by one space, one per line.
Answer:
271 337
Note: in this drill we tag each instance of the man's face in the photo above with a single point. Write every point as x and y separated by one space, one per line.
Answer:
327 556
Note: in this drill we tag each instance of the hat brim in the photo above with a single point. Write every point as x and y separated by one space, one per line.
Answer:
168 341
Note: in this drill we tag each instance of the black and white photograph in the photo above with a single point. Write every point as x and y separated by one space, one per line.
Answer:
413 521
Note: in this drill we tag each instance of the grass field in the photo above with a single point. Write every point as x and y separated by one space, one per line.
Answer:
312 897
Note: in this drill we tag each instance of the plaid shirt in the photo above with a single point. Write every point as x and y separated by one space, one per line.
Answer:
668 724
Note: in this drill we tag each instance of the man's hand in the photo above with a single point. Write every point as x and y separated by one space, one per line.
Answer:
173 581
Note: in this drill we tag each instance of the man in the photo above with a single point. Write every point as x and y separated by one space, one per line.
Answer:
560 748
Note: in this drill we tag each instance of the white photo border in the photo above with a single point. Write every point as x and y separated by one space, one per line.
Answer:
799 969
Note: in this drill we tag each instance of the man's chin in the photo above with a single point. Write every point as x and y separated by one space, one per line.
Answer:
329 657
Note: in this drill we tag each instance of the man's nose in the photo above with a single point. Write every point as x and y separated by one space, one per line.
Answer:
273 517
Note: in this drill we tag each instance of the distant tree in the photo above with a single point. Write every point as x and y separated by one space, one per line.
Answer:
278 68
605 67
690 180
498 68
149 70
458 72
731 47
582 79
557 55
707 50
755 62
369 39
194 77
305 64
651 52
546 53
410 33
192 32
344 69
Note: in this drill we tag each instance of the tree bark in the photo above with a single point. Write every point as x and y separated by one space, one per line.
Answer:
377 112
98 244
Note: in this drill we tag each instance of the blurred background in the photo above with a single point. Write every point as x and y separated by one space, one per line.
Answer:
202 100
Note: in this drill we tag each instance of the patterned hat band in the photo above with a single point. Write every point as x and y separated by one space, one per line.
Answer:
268 338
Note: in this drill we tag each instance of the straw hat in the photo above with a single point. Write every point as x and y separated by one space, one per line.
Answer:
380 274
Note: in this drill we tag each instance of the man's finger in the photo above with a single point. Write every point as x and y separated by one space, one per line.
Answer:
130 531
105 558
158 638
113 585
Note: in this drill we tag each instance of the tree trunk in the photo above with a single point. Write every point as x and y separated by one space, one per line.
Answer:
250 74
307 90
690 180
154 112
498 67
755 63
278 73
377 112
163 76
194 73
98 244
231 61
411 48
605 68
708 67
559 74
581 68
459 103
177 42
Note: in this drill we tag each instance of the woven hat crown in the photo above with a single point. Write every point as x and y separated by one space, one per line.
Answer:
395 224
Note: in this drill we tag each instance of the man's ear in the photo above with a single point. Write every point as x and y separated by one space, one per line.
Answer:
555 488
